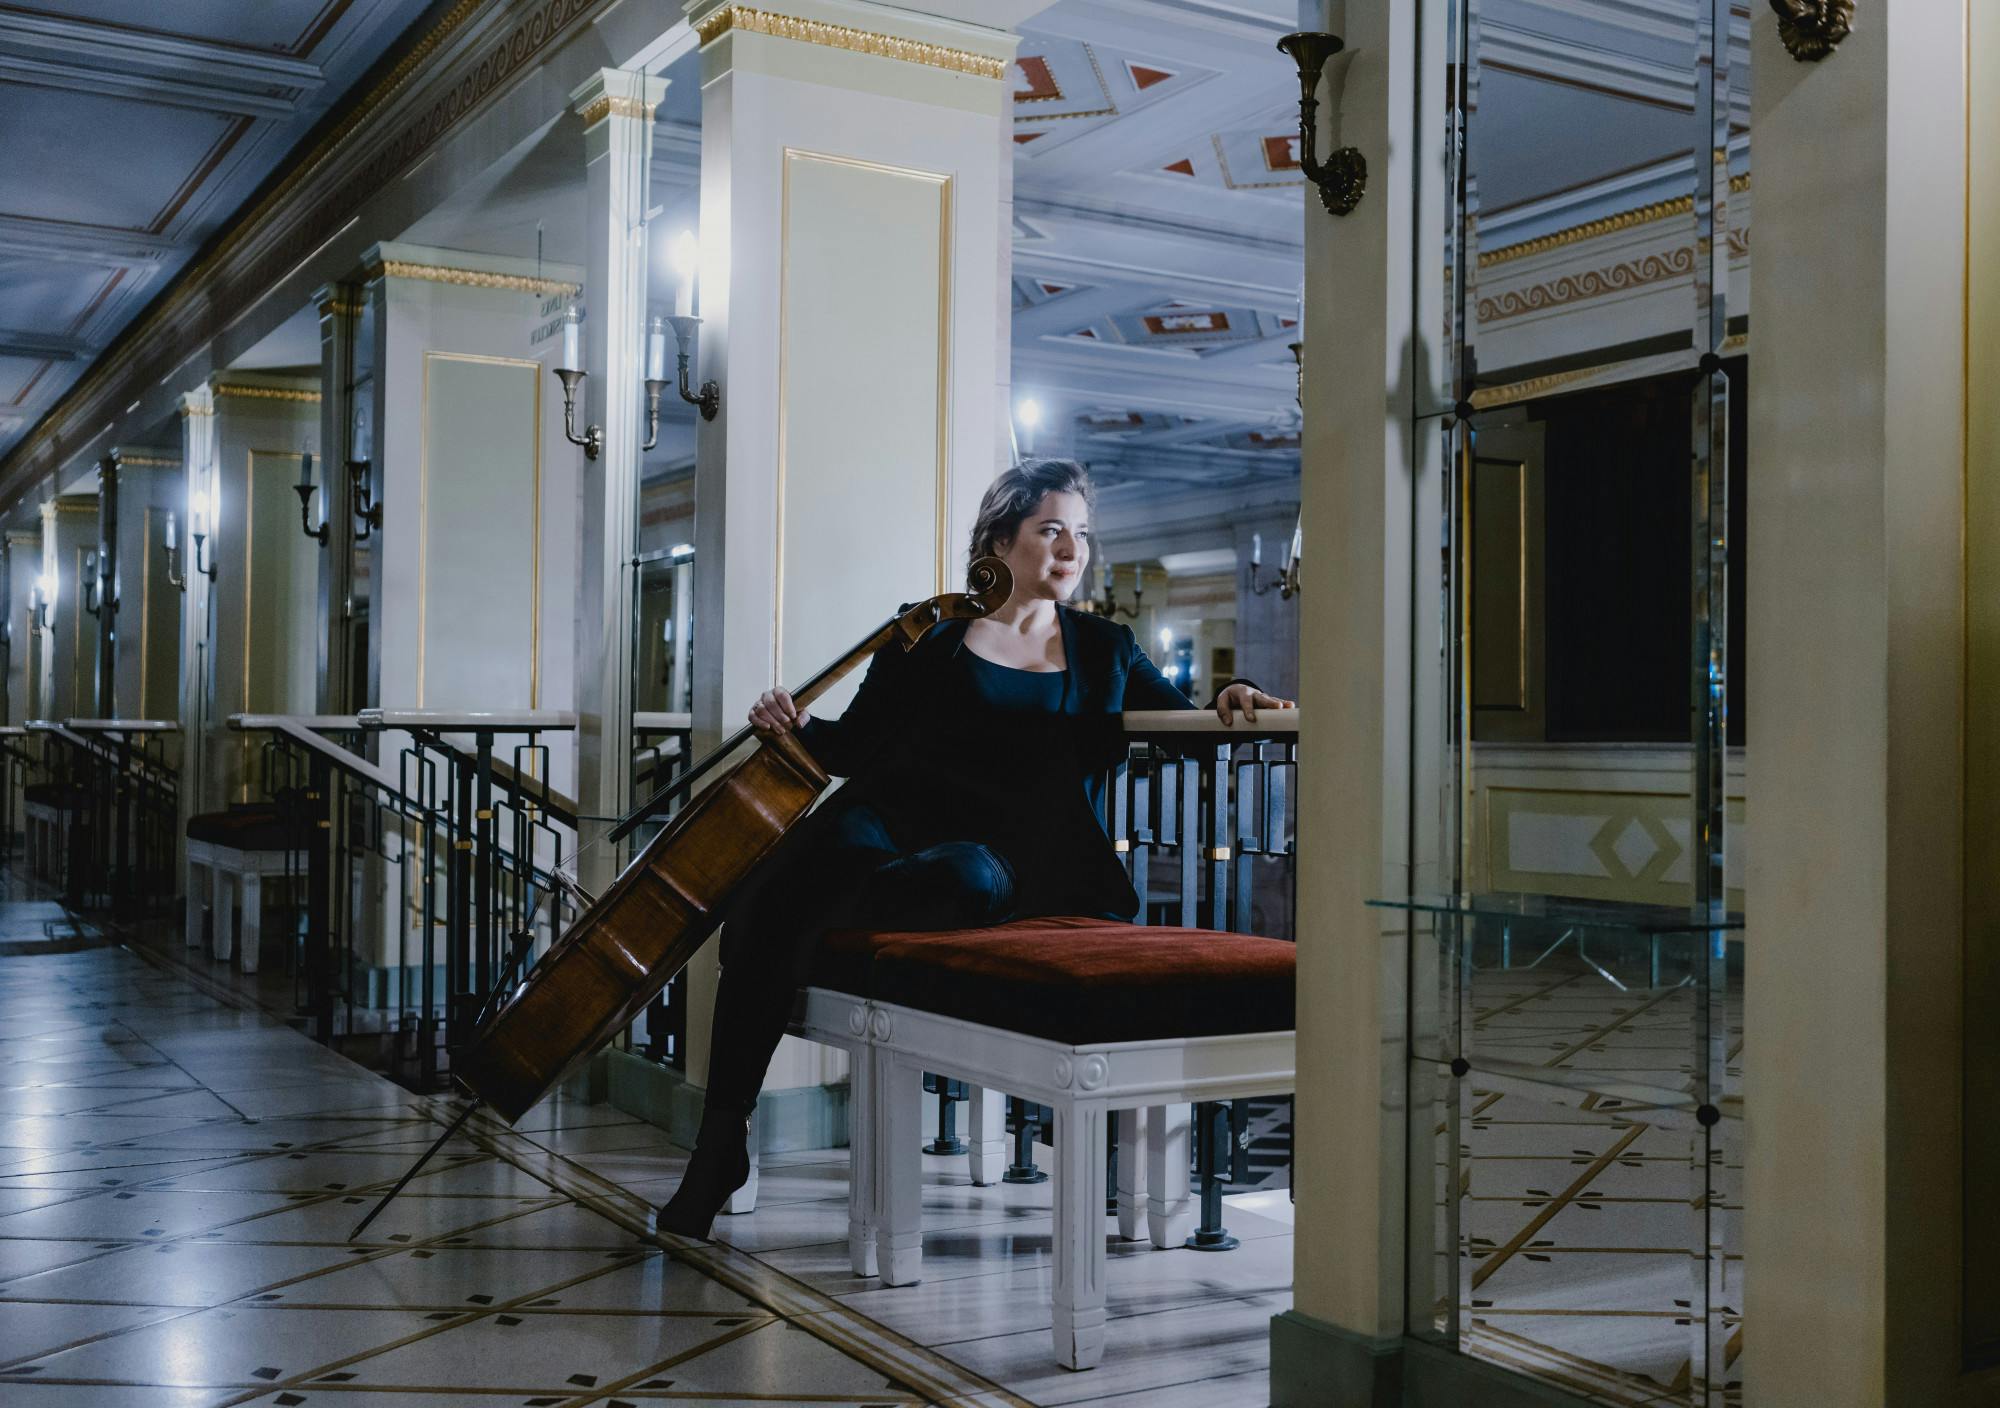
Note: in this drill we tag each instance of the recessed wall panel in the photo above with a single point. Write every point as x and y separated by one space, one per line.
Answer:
479 624
865 373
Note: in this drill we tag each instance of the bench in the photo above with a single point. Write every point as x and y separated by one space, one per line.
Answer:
1085 1016
50 811
229 856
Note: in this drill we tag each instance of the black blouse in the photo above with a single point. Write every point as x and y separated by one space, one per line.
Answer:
948 746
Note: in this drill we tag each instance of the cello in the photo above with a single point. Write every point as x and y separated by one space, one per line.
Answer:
629 943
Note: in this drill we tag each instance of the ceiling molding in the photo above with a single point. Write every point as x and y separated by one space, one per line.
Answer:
474 52
45 346
69 242
133 51
173 92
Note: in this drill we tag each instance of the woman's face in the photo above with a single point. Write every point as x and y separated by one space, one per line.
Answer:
1050 548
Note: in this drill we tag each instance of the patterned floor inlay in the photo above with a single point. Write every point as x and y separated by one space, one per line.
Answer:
179 1175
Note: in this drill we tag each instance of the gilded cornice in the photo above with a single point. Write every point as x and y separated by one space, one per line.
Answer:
468 278
367 147
269 393
840 36
74 505
1592 283
339 308
606 105
145 461
1608 225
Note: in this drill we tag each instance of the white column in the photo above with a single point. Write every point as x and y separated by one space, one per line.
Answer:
1359 466
616 108
1856 673
853 247
24 565
197 409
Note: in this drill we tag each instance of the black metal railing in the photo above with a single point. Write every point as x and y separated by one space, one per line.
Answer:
102 799
442 858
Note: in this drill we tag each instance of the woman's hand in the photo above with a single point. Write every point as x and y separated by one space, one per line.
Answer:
1249 699
775 714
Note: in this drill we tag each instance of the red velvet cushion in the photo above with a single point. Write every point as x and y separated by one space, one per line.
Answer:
1076 980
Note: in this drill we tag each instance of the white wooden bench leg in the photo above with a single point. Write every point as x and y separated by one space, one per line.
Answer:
224 884
1131 1174
987 1136
1170 1211
861 1148
198 888
1079 1235
253 918
899 1170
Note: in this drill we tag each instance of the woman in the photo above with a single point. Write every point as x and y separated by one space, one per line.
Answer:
975 763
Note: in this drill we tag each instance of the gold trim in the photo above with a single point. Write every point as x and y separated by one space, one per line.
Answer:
145 461
1490 396
467 278
599 108
840 36
335 307
269 393
424 508
1609 225
75 505
1591 283
1121 845
943 182
1220 853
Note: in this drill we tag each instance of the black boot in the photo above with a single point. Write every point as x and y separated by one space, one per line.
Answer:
720 1165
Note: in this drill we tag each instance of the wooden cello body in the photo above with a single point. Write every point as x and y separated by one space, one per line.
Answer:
629 942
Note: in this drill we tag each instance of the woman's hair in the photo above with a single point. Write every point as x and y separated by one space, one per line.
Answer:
1014 495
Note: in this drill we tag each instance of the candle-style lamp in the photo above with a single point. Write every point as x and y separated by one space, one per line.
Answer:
305 489
569 371
687 259
361 501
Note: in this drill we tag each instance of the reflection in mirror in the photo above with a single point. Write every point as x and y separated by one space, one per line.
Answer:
1599 254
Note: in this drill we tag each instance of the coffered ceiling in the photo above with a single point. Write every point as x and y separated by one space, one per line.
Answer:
130 131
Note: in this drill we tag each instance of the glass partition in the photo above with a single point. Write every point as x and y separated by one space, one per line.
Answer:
1575 1031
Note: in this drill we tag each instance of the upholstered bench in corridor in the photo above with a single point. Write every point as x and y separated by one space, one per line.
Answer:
229 856
1083 1015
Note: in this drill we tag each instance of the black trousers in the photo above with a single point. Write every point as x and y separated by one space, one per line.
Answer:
846 872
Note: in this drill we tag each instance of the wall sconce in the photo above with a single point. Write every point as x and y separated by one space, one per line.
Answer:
1106 604
709 398
1343 177
687 260
202 513
40 600
305 489
173 549
1287 579
569 371
361 502
98 592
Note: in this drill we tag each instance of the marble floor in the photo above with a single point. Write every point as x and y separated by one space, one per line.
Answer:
179 1174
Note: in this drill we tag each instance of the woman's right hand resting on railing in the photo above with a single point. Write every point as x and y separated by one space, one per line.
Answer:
775 714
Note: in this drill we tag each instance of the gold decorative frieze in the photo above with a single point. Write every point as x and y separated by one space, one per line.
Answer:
1592 283
840 36
145 461
339 308
605 106
468 278
1608 225
269 393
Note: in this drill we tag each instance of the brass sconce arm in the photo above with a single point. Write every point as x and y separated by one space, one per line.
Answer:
709 398
319 534
1343 177
592 439
362 503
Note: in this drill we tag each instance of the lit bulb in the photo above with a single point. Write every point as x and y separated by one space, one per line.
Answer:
1028 411
686 252
1166 638
46 585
